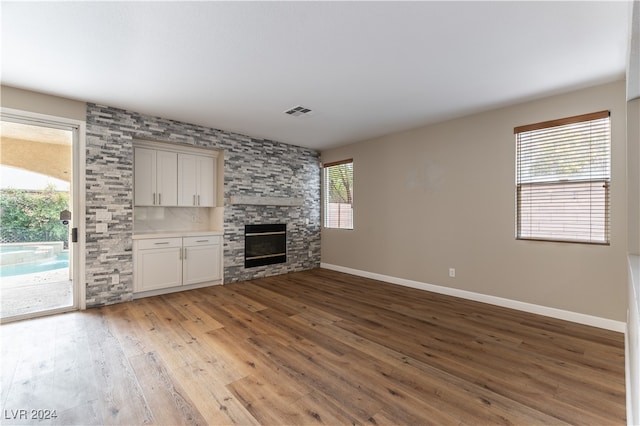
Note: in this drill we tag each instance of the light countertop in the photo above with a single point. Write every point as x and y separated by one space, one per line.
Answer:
172 234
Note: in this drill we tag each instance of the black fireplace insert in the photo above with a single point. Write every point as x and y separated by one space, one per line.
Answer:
265 244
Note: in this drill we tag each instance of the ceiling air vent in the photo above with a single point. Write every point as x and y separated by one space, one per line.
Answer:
298 111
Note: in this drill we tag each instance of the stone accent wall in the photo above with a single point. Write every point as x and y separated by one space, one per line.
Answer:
251 167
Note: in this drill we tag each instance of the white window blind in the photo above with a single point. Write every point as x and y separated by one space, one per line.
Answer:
338 194
562 179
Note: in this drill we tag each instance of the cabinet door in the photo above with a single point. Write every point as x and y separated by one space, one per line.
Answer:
167 178
144 177
206 182
187 180
201 264
158 268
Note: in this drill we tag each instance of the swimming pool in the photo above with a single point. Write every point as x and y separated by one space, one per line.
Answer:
61 261
29 258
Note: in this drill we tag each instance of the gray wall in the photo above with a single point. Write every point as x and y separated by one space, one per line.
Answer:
27 100
251 167
443 196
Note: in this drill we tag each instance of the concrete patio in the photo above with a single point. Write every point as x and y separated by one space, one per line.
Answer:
30 293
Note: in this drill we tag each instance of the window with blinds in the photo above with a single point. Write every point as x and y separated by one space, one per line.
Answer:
338 194
562 179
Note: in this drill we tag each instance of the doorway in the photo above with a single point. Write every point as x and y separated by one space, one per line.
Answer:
38 198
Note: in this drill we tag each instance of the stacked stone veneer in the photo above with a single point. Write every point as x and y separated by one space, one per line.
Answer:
252 167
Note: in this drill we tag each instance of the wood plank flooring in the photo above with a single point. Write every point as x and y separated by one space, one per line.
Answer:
315 347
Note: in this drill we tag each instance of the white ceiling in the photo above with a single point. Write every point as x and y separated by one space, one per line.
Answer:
366 69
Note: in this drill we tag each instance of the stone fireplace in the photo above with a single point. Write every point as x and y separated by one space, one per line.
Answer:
265 244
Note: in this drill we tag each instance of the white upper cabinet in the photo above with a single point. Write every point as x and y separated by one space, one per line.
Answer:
144 180
155 176
207 181
169 177
166 178
196 181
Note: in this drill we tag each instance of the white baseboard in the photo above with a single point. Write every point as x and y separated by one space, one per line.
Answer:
576 317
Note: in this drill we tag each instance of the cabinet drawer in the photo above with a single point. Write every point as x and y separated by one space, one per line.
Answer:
201 241
155 243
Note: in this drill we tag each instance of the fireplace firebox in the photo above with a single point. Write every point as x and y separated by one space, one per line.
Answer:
265 244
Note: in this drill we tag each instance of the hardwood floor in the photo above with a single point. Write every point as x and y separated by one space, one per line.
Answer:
316 347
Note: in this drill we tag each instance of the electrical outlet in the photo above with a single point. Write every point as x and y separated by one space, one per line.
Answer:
101 228
115 279
452 272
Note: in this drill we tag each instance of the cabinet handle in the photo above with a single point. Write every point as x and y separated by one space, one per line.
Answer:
166 242
198 199
202 241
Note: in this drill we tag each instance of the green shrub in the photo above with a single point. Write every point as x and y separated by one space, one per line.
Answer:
27 216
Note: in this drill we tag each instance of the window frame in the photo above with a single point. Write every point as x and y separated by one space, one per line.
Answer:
592 181
326 191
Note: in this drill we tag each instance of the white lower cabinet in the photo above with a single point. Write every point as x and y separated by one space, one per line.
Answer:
169 263
198 261
158 263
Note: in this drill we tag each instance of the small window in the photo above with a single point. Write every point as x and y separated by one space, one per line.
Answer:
338 195
562 179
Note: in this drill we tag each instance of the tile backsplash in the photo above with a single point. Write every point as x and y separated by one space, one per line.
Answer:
169 219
